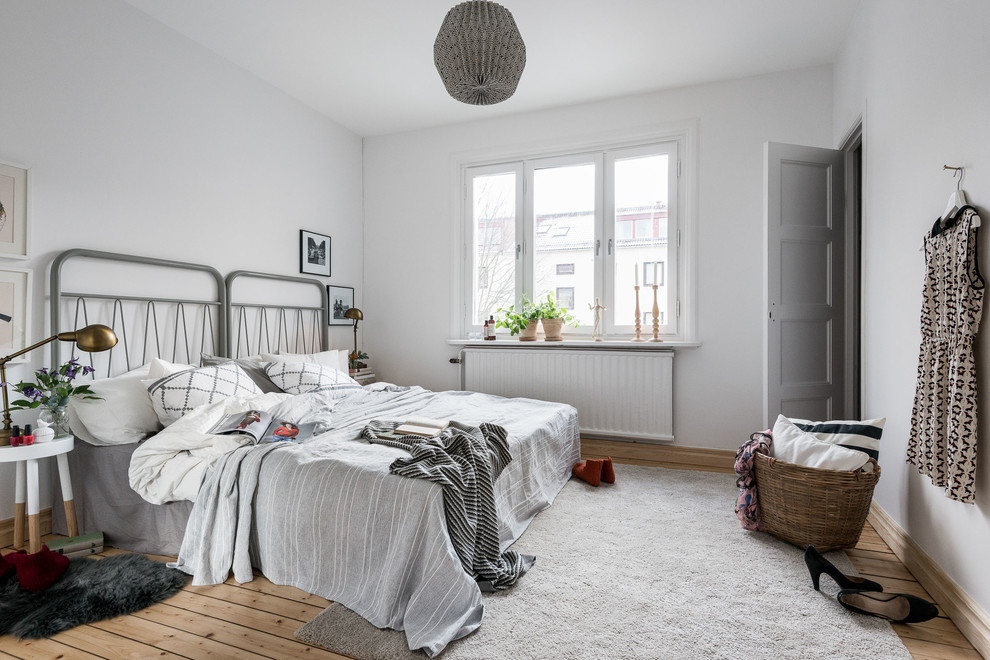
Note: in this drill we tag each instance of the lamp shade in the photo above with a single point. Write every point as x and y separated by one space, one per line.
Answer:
479 53
354 313
95 338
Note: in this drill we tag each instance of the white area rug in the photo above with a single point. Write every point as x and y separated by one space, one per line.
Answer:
654 566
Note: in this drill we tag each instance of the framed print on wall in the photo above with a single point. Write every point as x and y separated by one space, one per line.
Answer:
314 253
13 211
15 311
340 299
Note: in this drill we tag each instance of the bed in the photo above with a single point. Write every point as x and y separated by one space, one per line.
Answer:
325 515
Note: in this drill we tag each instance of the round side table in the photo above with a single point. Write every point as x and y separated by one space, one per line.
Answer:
26 459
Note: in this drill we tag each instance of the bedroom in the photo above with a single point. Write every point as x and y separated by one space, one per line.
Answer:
140 140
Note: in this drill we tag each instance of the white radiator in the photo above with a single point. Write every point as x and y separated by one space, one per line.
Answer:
618 394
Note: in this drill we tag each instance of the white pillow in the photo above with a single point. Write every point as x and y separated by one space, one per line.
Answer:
161 368
303 377
862 435
792 445
333 358
173 396
122 416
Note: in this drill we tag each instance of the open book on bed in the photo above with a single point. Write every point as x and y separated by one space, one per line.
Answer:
421 426
262 427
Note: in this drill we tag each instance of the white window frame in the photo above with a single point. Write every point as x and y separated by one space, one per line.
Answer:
681 226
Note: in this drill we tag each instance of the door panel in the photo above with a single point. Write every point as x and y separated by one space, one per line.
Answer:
805 282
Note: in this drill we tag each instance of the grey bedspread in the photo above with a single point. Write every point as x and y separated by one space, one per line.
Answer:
329 517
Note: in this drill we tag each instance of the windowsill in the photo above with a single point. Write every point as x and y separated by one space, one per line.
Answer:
607 344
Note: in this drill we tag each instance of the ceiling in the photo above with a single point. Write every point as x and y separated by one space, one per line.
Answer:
368 64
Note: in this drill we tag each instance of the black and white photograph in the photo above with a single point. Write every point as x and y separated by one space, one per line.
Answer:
314 253
341 299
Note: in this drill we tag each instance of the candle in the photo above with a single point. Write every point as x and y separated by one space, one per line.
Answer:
655 281
636 273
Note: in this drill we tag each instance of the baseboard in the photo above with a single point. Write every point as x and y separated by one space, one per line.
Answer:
971 619
7 527
673 456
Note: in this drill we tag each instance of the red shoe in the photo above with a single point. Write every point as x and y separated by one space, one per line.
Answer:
608 473
590 470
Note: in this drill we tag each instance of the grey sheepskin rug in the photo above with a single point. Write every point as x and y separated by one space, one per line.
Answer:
89 590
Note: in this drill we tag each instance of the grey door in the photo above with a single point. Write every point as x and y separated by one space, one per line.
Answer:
805 338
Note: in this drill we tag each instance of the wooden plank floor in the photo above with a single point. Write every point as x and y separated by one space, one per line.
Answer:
258 619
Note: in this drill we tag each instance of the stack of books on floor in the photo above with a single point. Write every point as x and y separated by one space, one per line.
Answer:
78 546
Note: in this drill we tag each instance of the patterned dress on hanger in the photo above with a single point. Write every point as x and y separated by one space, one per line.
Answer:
943 423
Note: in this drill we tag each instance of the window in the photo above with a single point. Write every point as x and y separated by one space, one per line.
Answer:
573 225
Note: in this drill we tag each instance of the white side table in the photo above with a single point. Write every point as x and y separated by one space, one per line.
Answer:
26 458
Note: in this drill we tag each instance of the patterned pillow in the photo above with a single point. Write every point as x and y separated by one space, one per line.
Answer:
302 377
173 396
862 435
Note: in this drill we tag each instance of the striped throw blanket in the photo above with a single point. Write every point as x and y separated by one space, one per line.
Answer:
465 461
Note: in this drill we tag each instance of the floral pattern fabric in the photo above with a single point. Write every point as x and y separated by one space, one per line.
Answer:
943 420
747 502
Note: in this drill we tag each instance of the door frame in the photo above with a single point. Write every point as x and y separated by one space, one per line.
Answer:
852 146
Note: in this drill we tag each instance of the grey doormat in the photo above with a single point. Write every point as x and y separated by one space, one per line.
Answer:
89 590
653 566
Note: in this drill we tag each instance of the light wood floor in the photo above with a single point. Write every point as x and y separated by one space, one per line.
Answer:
258 619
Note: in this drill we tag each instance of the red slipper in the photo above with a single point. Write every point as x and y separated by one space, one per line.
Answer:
608 472
39 570
590 470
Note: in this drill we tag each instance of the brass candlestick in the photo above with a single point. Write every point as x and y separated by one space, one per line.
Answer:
639 324
656 316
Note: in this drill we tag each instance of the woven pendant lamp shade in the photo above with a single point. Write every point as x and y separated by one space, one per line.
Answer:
479 53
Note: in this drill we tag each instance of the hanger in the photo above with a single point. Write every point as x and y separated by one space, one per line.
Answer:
957 199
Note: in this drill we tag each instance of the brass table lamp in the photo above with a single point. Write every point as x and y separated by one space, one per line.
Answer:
355 314
92 339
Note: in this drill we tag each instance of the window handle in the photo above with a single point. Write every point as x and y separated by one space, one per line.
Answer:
598 247
518 250
610 247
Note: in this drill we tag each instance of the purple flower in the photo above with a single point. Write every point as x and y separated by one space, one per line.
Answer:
88 370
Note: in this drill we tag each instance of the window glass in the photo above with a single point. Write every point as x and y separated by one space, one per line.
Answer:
494 218
564 201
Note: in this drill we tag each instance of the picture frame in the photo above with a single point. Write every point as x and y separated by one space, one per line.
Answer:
15 311
340 299
314 253
13 211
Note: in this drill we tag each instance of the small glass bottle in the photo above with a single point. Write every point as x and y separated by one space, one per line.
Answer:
487 330
491 325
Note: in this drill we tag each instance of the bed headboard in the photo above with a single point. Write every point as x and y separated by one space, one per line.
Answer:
268 313
176 310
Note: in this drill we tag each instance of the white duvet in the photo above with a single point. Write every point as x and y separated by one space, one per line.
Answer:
170 465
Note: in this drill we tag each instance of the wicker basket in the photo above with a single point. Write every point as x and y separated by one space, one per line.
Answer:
810 506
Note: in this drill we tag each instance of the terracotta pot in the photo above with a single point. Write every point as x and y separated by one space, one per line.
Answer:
529 332
552 329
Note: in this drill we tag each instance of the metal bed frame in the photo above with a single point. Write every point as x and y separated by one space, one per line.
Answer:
209 323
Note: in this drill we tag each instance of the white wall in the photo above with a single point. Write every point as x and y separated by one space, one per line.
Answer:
918 73
410 193
138 140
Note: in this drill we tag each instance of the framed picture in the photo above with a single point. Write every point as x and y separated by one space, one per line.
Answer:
13 211
15 311
341 299
314 253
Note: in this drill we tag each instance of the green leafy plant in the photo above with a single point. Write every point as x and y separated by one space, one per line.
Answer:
354 360
54 387
548 308
514 321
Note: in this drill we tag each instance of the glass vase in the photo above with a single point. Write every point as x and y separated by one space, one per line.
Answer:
57 418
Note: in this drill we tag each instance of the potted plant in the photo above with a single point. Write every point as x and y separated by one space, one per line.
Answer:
524 322
553 317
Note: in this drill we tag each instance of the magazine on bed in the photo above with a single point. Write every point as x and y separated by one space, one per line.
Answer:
262 427
423 427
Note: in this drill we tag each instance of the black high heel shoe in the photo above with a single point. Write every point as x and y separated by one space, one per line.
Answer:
817 564
896 608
